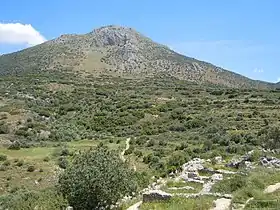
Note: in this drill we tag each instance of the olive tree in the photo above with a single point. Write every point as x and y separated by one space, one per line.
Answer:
96 179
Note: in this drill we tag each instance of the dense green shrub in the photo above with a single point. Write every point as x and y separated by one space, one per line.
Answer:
15 146
271 138
3 157
31 168
4 128
26 200
62 162
19 163
96 179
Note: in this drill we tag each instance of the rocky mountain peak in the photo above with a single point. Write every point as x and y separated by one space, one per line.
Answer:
115 36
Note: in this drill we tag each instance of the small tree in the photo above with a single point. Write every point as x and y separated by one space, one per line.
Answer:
96 179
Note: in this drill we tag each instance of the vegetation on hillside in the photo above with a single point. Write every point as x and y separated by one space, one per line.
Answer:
47 118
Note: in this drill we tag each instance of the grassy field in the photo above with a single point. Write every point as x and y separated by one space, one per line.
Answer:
15 172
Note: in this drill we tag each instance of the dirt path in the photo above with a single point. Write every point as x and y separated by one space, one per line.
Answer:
126 148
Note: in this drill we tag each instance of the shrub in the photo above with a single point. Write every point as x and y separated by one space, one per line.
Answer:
3 168
271 138
129 151
4 129
20 163
3 157
96 180
6 163
15 146
176 160
138 153
24 200
46 159
62 162
64 152
230 185
31 168
151 143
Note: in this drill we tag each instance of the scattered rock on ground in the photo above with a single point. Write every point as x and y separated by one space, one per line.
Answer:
270 162
155 195
217 177
193 165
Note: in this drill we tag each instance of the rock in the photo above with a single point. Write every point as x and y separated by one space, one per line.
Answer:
234 163
218 159
270 162
208 170
187 179
272 188
181 188
221 171
193 175
207 187
217 177
69 208
222 204
193 165
156 195
248 165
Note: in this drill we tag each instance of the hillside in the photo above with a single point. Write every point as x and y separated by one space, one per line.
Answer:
118 51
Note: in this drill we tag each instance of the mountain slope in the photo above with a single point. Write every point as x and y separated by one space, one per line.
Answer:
118 51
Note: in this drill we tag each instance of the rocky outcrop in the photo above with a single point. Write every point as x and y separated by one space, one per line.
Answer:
156 195
270 162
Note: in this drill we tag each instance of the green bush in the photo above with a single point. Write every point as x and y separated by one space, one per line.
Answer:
20 163
3 157
96 179
46 159
230 185
62 162
31 168
4 129
26 200
15 146
6 163
138 153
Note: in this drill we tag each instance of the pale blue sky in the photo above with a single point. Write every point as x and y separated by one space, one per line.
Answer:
240 35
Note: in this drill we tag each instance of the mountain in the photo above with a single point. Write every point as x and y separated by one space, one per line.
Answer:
118 51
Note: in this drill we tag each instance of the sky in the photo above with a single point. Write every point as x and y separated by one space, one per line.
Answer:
241 35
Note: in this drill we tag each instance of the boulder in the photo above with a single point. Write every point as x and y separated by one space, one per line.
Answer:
156 195
194 175
217 177
193 165
69 208
270 162
218 159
